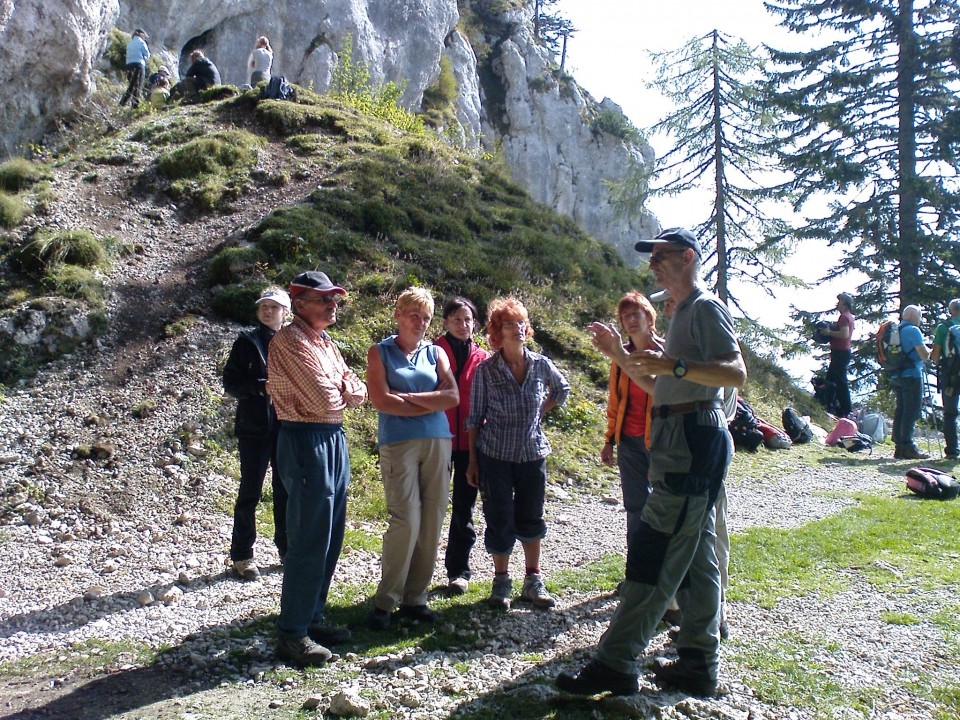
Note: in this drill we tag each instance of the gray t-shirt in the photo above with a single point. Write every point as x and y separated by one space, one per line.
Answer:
701 329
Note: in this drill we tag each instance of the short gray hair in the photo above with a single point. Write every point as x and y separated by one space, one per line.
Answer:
954 306
911 313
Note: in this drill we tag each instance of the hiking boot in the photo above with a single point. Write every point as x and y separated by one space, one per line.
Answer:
671 617
500 594
378 619
416 613
912 452
247 569
595 678
724 630
458 586
683 677
327 634
301 651
896 452
536 592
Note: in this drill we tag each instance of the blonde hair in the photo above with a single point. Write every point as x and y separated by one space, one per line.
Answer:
415 297
263 42
196 55
504 310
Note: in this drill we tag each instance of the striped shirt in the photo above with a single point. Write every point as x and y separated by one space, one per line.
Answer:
507 413
307 377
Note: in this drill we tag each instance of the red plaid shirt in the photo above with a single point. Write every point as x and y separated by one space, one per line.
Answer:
307 377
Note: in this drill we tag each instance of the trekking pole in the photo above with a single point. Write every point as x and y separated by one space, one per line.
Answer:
933 412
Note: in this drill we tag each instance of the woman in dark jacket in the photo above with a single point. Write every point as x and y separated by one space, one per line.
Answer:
203 71
244 377
460 321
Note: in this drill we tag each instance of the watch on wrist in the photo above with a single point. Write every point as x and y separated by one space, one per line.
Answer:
680 368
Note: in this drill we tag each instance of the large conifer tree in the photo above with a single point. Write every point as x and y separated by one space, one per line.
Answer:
868 128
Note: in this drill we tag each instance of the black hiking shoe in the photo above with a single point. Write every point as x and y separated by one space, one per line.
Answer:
416 613
595 678
301 651
680 675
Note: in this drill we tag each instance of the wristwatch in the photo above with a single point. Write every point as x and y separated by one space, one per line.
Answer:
680 368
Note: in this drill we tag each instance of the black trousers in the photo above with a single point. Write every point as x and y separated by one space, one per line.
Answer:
837 374
463 534
256 454
135 75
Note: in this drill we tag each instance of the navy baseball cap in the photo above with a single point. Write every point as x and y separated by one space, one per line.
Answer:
673 236
314 280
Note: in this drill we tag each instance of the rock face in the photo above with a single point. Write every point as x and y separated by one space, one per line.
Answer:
512 97
49 50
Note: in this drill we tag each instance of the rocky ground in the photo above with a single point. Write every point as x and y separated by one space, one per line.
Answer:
116 530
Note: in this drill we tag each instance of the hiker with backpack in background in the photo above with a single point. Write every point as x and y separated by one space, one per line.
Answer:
841 335
906 377
946 357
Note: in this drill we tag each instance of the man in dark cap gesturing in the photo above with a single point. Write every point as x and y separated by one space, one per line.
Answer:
311 385
689 453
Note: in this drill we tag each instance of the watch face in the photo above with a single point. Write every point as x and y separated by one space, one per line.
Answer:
680 369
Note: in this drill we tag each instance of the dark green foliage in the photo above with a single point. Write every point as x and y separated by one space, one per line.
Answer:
868 121
234 262
237 302
613 122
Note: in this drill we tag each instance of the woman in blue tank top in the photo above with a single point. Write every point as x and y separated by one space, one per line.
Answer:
410 384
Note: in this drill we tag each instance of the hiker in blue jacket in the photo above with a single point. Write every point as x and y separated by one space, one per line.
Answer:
908 386
137 54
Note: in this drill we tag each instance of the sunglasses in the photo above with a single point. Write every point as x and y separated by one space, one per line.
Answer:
338 300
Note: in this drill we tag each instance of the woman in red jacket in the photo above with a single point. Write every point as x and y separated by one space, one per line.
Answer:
460 321
628 409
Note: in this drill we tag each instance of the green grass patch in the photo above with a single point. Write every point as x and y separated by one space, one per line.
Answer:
47 249
601 575
794 671
19 174
884 540
74 281
12 210
92 656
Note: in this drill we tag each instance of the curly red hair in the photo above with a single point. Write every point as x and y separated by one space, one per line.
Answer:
504 310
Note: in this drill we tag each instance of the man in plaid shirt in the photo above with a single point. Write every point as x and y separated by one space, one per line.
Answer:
311 385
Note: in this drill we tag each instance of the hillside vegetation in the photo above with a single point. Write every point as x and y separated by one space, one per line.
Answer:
377 208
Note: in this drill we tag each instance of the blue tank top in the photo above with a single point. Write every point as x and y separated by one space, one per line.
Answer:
416 374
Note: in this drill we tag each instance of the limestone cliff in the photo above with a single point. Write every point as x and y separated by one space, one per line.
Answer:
512 97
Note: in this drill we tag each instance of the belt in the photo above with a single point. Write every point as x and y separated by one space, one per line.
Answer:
662 411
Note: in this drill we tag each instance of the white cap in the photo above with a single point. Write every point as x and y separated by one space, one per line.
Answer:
278 296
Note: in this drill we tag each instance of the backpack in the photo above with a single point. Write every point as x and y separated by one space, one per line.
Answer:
929 482
797 428
856 442
278 89
872 424
844 428
744 427
890 352
949 375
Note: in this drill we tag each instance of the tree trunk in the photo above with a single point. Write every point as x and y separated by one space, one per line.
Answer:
720 198
908 240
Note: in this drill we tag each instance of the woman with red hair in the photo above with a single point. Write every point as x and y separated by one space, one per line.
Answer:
628 409
511 392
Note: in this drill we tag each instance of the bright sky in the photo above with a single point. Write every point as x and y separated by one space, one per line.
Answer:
608 56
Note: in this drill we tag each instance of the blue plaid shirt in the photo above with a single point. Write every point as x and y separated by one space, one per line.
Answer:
507 413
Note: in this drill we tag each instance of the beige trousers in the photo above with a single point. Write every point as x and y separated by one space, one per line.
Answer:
416 483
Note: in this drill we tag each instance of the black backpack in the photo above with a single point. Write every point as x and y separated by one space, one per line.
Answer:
949 376
278 89
797 428
744 427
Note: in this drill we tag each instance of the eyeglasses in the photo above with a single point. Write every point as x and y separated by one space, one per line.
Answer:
659 257
337 300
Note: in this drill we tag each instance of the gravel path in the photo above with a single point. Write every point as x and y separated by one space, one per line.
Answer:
131 544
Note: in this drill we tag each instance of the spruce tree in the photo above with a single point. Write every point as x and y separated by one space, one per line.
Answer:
867 125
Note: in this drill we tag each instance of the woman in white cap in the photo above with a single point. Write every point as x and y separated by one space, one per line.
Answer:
245 377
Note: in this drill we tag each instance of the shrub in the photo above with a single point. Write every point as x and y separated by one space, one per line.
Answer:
12 210
46 249
237 302
77 282
613 122
19 174
234 263
209 171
